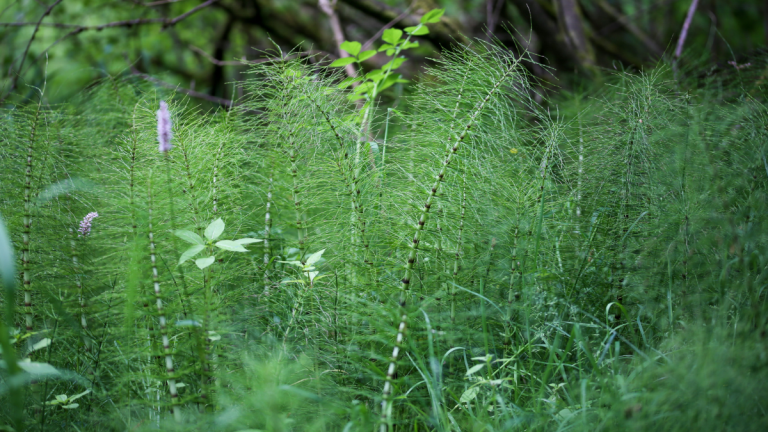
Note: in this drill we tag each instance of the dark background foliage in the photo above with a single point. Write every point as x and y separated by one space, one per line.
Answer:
199 47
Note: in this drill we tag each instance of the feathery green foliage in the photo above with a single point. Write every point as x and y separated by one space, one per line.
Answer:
467 260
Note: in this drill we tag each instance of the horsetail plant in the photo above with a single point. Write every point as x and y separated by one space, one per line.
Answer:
212 233
468 142
307 267
509 69
458 252
26 233
171 373
267 232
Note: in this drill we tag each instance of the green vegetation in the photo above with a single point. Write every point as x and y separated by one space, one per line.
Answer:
467 260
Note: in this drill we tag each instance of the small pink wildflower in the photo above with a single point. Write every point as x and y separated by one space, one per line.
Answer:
85 224
164 132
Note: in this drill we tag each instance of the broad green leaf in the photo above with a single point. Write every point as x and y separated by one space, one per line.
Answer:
385 47
317 278
351 47
469 395
188 323
408 45
475 368
365 55
343 61
393 64
419 30
65 187
231 246
565 414
315 257
392 79
215 229
432 16
205 262
42 344
71 406
189 237
364 88
38 369
189 253
296 263
213 336
375 75
312 275
485 358
61 397
7 263
246 240
392 36
79 395
348 82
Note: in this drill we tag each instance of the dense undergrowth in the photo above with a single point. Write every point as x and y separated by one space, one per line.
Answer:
466 260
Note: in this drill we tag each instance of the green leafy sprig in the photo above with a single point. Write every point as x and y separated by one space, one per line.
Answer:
378 80
212 232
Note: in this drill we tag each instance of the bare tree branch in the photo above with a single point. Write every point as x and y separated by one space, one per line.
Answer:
166 22
329 8
570 19
632 28
195 94
439 34
686 26
387 26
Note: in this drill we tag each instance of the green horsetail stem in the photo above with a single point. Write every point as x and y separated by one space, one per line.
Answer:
267 232
215 178
353 189
295 194
386 411
174 239
26 233
458 252
161 313
511 295
201 341
191 186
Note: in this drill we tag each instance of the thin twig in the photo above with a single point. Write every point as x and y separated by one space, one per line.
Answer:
632 28
329 8
387 26
166 22
686 26
195 94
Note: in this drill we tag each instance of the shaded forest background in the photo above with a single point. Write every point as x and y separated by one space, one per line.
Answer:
202 48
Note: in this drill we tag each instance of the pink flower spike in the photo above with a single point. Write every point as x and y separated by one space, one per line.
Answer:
85 224
164 133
